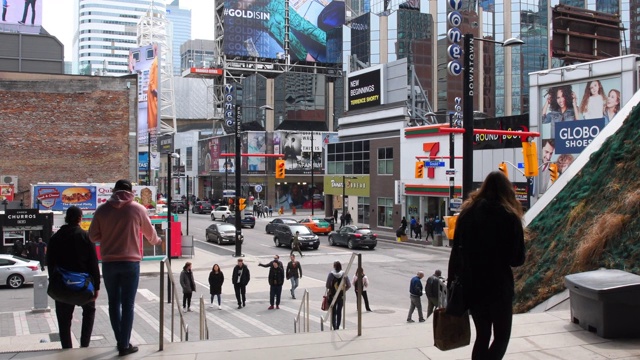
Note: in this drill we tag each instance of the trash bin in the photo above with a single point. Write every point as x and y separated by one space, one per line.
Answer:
606 302
437 240
331 222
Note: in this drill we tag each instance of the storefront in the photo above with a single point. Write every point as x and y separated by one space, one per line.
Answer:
24 225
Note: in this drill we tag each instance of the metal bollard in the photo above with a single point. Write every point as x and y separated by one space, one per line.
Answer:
40 297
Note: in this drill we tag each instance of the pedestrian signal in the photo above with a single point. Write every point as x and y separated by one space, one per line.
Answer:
419 169
503 168
280 170
553 170
242 203
530 153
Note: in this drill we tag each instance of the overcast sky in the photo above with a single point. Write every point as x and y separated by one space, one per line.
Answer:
57 19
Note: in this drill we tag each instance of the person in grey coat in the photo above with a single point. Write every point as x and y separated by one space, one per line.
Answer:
188 286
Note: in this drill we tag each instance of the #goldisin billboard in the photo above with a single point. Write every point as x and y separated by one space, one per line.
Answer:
24 16
256 28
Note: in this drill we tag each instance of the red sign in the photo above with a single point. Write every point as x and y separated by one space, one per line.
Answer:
6 192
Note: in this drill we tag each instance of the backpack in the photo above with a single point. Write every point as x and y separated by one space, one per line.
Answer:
335 284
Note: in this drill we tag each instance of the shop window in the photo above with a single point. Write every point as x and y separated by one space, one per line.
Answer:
385 212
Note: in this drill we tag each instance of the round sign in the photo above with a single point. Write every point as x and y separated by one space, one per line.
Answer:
258 188
230 122
455 4
454 68
455 51
455 19
251 198
454 35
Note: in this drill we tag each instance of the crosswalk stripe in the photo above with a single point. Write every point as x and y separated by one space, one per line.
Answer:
135 337
20 322
153 321
259 324
225 325
312 318
53 323
148 294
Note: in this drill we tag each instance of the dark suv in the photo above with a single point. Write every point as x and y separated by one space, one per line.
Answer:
201 207
283 235
178 207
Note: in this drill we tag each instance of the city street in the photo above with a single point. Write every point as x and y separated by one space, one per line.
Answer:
389 268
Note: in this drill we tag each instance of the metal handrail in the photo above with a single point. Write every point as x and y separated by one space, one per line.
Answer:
329 312
204 327
304 308
184 327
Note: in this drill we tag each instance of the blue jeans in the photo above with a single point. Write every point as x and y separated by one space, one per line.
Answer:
121 281
294 285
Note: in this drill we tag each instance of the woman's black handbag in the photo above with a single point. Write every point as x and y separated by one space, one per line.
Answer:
456 304
71 287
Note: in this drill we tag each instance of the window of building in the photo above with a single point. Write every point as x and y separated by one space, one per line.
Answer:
363 210
385 161
348 158
385 212
189 158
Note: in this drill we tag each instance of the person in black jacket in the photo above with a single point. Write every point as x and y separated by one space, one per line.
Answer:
276 279
71 249
188 286
488 241
240 278
216 279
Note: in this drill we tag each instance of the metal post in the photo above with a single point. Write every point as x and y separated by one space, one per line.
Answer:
451 162
226 168
161 315
312 183
467 116
359 284
344 185
149 158
187 205
169 223
238 165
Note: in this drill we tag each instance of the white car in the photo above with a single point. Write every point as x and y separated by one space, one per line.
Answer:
222 212
16 271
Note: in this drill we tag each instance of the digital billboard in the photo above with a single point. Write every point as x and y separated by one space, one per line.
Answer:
572 115
22 16
296 149
365 89
145 62
256 28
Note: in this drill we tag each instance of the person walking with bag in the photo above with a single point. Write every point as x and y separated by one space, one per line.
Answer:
432 291
295 244
333 287
276 280
216 279
188 286
294 273
489 239
71 249
415 294
365 285
240 278
117 226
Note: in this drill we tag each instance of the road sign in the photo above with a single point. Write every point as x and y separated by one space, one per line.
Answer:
520 165
434 163
450 172
258 188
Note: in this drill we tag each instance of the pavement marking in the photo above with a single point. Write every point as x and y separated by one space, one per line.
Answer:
225 325
153 321
259 324
135 337
53 324
295 313
20 322
149 295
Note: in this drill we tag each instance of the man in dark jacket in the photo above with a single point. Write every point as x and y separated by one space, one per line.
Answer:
415 292
71 249
433 291
276 279
294 272
240 279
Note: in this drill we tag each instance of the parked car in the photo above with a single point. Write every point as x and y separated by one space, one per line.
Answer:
317 225
201 207
353 236
221 233
248 220
16 271
271 226
178 207
161 209
221 212
283 235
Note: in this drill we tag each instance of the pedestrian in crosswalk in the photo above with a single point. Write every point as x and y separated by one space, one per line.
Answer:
240 278
216 279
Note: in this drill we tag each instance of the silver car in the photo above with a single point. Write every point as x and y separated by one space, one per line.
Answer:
16 271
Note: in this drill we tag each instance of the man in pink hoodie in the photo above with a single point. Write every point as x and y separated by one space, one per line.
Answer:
117 226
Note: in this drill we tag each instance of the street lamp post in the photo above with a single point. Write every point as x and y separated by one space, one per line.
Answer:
468 90
312 183
170 156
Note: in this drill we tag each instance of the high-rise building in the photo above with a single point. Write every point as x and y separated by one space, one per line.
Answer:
180 20
104 32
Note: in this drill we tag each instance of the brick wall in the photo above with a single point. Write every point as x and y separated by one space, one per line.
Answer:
63 128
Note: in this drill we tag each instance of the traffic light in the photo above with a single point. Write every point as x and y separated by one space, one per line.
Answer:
419 169
553 170
503 167
242 203
280 171
530 153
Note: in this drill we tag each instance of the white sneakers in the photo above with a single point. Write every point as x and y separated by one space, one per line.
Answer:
219 307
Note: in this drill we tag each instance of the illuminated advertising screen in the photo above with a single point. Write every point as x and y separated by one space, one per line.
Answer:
365 90
256 28
24 16
572 115
145 62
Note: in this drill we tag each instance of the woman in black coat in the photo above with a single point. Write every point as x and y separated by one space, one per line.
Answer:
216 279
488 241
